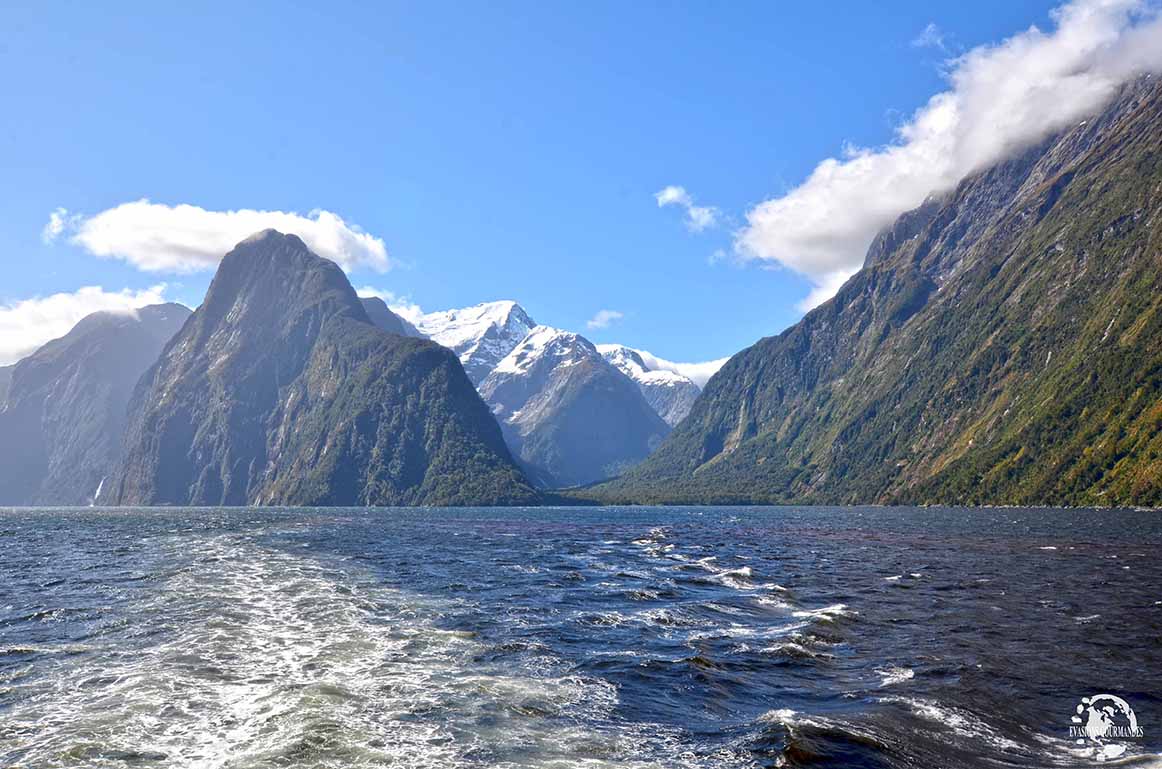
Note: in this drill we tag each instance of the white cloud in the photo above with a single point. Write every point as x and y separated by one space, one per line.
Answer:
930 37
184 238
604 319
826 287
58 221
1001 98
400 305
698 373
27 324
698 218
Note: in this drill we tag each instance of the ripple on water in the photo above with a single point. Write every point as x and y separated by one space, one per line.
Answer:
571 638
274 658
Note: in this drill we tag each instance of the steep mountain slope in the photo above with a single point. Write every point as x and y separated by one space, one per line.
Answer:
999 346
481 335
669 393
61 423
5 382
569 415
279 390
383 318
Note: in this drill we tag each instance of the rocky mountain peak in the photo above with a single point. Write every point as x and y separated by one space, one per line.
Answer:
569 414
281 390
480 335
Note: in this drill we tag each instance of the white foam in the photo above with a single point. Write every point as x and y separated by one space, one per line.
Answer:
272 657
831 612
958 721
894 675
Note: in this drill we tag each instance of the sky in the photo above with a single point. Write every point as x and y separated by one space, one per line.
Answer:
680 177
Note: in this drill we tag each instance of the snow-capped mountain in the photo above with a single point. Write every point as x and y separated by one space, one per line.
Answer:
568 414
481 335
669 393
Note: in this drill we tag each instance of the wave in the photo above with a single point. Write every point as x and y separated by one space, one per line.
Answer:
274 658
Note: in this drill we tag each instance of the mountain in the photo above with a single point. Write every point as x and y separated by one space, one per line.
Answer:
669 393
62 419
481 336
279 390
570 416
1000 345
383 318
5 381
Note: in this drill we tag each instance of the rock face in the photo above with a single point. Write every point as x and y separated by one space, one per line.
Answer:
5 382
670 394
280 391
1001 345
383 318
570 416
62 419
481 336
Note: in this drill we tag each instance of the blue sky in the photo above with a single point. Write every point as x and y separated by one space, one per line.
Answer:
499 150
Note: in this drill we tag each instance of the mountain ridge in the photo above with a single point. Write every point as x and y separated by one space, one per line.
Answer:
669 393
481 335
570 415
990 351
382 317
281 390
62 419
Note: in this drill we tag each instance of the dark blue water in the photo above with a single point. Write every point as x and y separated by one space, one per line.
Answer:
714 637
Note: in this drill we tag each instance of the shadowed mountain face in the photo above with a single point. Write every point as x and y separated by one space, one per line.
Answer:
383 318
62 419
5 381
999 346
280 390
570 416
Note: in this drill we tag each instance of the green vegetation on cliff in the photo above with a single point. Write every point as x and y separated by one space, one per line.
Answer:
1002 345
281 391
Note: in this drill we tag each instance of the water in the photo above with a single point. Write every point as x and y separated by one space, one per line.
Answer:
645 637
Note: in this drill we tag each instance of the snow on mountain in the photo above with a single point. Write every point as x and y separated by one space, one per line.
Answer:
566 412
481 335
529 368
501 338
545 347
698 373
669 393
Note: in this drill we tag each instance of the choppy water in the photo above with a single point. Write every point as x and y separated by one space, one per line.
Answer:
854 637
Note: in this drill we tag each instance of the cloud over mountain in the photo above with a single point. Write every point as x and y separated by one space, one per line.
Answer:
1001 98
180 239
698 373
29 323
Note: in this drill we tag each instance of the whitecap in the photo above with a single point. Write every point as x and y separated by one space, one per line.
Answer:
959 721
894 675
828 613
